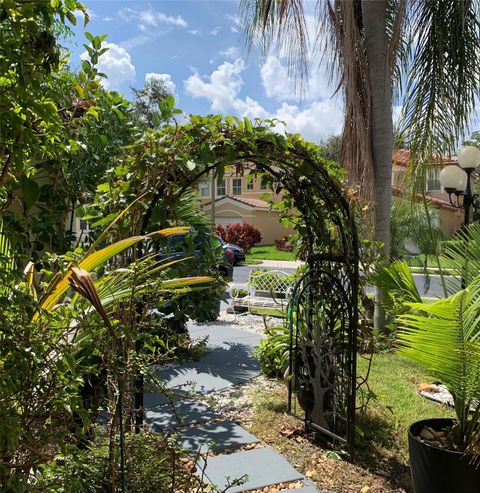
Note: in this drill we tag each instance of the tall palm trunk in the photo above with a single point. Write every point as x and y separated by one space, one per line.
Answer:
377 53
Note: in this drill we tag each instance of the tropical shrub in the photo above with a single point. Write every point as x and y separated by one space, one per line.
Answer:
284 244
273 352
444 337
398 287
245 235
56 353
409 223
152 464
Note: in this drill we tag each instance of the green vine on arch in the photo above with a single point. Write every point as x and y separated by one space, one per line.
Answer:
167 163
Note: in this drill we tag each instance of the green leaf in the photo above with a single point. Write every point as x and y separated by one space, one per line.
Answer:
30 191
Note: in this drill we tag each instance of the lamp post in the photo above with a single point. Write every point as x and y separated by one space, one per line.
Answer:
456 180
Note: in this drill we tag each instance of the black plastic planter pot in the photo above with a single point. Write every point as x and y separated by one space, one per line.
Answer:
437 470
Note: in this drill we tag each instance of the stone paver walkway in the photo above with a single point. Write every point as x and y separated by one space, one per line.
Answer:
199 429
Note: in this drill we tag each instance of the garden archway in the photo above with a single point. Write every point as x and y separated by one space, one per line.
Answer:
324 308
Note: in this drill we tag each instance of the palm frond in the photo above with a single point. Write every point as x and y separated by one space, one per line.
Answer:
409 223
397 284
94 260
442 79
341 38
444 337
462 254
279 24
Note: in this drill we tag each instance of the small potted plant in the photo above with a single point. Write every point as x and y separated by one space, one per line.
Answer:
444 337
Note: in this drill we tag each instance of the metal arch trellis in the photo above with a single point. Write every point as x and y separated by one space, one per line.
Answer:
323 311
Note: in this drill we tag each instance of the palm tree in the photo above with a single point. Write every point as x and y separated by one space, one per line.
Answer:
409 223
428 48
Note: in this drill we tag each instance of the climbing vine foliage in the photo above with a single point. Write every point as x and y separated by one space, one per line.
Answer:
162 165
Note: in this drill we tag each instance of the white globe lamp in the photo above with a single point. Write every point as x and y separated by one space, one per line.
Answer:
453 179
469 157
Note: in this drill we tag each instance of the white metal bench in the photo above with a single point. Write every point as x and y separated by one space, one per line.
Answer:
265 289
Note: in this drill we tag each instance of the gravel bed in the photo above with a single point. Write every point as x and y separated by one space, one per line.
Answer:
251 323
236 402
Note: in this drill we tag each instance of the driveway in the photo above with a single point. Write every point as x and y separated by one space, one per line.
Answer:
434 285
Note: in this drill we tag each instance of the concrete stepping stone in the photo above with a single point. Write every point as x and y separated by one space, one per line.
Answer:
154 399
184 413
196 377
224 334
215 437
263 466
218 369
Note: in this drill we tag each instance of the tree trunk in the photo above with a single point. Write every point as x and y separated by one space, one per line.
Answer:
213 195
377 52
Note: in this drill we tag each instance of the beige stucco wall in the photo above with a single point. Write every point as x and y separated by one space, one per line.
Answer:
450 221
267 221
256 193
269 224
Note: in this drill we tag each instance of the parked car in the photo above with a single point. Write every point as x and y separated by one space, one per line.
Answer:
207 247
238 253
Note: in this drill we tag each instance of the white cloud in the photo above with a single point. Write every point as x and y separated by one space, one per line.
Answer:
80 16
107 19
231 53
166 79
117 64
195 32
215 30
316 122
235 22
277 82
234 19
223 86
172 20
152 18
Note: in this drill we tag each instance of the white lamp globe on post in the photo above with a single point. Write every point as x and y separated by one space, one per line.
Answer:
456 181
469 158
453 179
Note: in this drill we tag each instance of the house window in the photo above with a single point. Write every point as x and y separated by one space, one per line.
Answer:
250 185
263 186
204 189
237 186
433 180
221 188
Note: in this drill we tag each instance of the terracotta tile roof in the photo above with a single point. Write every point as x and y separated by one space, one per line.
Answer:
397 191
249 201
402 156
244 200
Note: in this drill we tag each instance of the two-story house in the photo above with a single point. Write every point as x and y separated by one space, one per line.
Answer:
450 217
243 198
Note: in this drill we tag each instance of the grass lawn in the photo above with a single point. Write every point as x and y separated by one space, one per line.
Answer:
269 252
419 260
382 454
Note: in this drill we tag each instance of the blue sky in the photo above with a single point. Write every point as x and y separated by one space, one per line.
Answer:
195 47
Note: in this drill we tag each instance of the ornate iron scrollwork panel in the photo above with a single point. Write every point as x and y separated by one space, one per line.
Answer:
322 350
